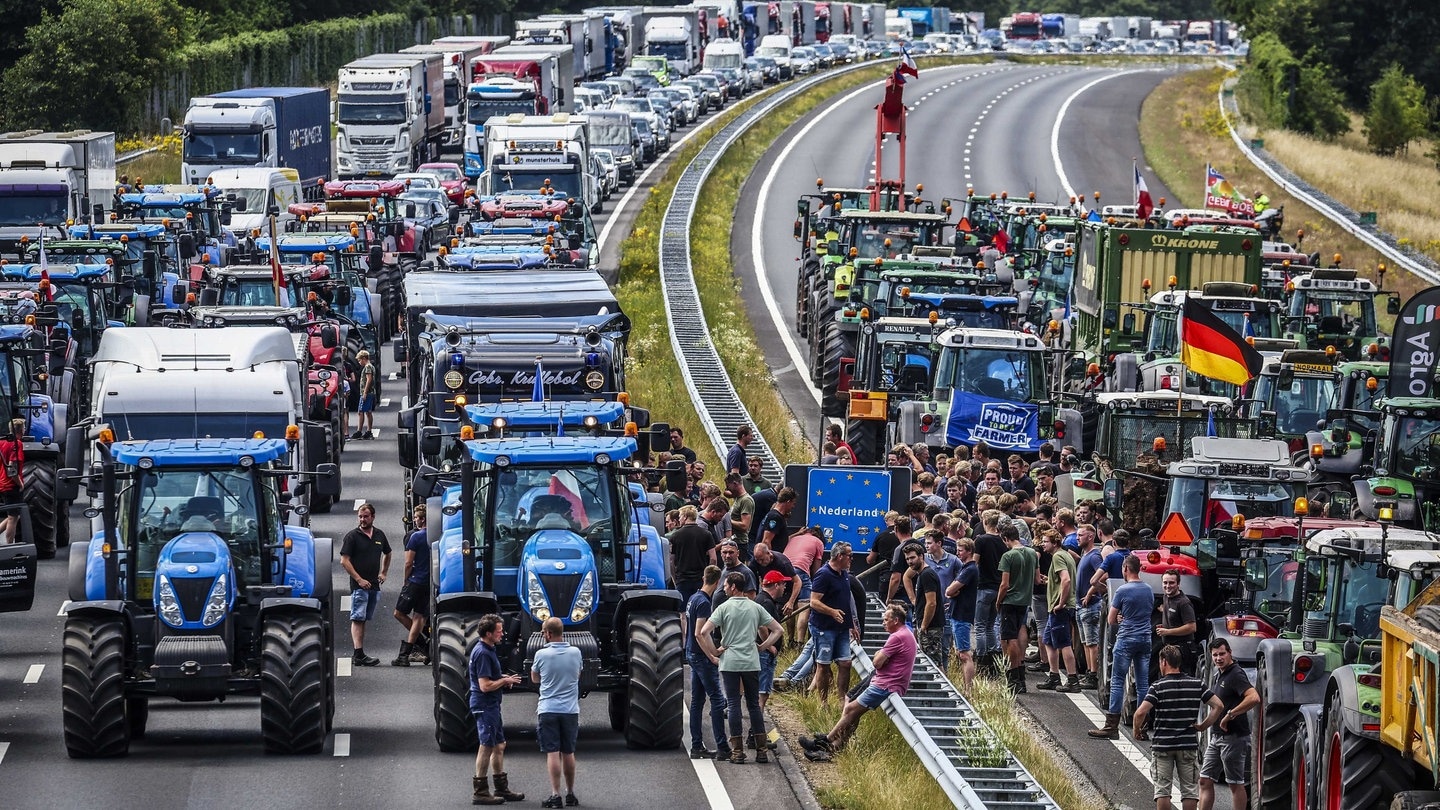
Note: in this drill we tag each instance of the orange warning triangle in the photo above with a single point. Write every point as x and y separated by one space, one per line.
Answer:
1175 531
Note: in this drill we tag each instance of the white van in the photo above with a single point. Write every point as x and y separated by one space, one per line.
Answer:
255 189
724 53
777 47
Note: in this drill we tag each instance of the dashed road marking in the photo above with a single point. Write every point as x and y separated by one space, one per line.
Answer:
385 402
366 466
1127 749
709 777
342 745
359 502
64 608
4 747
375 433
345 603
393 377
33 675
343 665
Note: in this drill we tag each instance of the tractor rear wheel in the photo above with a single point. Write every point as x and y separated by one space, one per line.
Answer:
837 345
46 516
867 438
292 684
455 634
1275 737
657 678
92 684
1356 773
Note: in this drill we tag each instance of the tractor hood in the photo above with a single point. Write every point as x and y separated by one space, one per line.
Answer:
558 576
194 581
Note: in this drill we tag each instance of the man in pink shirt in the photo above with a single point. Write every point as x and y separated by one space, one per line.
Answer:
806 552
893 666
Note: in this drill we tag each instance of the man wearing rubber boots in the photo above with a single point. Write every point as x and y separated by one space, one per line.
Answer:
487 680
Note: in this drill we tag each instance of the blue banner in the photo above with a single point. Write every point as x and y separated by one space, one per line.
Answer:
1001 424
849 503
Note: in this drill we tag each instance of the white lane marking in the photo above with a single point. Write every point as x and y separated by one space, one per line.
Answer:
33 676
4 747
393 377
343 666
375 433
1060 119
1127 749
359 502
366 466
385 402
342 745
345 603
709 777
64 608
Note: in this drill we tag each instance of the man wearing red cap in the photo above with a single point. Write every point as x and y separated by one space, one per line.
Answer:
771 596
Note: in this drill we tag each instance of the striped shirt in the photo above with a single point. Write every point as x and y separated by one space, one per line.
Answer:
1175 702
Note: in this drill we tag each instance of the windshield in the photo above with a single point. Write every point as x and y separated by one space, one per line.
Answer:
255 199
1335 313
565 185
452 93
445 173
610 132
1356 597
1162 334
869 238
1208 503
992 373
578 499
361 110
1417 447
1297 406
222 147
1124 435
773 52
47 209
12 370
677 51
483 108
248 292
166 503
186 425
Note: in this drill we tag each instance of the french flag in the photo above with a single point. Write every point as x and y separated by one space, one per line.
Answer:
1144 206
906 67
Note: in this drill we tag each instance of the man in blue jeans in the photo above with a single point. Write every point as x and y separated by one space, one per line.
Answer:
1131 607
988 550
704 674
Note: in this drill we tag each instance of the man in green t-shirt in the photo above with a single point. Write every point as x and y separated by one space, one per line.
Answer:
740 620
1017 586
742 514
1061 603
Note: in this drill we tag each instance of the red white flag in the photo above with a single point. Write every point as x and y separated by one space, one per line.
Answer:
907 64
1144 206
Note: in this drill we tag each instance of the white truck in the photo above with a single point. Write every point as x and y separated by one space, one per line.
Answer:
526 151
457 53
266 127
897 27
724 53
674 33
49 178
557 66
777 47
593 59
254 191
159 383
391 114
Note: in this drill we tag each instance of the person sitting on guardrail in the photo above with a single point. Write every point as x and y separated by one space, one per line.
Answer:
894 665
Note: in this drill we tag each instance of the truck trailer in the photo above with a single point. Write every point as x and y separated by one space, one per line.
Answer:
265 127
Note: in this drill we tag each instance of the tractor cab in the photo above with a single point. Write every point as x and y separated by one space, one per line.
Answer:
1293 394
1334 307
1404 474
1234 303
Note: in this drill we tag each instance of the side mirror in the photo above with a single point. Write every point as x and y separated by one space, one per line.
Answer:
1257 574
187 246
180 292
401 351
344 295
377 259
209 297
409 210
1206 551
430 440
237 204
799 229
327 480
1128 323
1111 318
675 476
454 215
1392 305
225 215
1286 376
1114 494
329 336
423 484
67 484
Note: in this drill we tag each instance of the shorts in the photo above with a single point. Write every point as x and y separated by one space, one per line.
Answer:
1089 620
767 673
1012 621
367 403
557 732
363 604
11 497
1057 629
961 632
873 696
489 726
1225 759
932 643
804 597
414 598
831 646
1175 768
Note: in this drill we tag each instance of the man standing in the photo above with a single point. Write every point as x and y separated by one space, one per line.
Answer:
767 562
836 435
1061 604
928 614
1012 599
988 550
704 675
742 511
832 620
1177 621
904 535
365 427
691 549
755 479
735 459
894 665
677 446
1229 747
12 478
740 620
1175 701
730 564
486 680
557 668
365 556
771 596
775 530
961 597
1088 614
1130 607
412 609
715 518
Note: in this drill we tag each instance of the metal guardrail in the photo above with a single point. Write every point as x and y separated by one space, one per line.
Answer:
138 153
1327 206
946 732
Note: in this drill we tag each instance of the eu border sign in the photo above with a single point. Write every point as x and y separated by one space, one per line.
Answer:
849 503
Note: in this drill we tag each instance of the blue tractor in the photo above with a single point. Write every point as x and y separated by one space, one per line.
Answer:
24 348
201 584
548 526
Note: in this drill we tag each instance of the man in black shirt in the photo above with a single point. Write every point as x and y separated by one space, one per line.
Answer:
775 529
1174 701
1229 747
764 502
691 549
929 616
883 549
989 548
1177 621
365 556
677 446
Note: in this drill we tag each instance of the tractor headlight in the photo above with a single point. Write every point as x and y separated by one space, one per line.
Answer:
216 606
454 379
535 595
585 599
166 603
594 380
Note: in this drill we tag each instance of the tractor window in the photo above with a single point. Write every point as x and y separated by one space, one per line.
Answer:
578 498
1161 333
1252 499
14 386
1417 446
165 503
1274 601
1297 406
1187 496
997 374
248 292
1358 596
1335 313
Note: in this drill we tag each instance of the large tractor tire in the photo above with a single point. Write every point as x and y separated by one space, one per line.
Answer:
455 634
46 514
837 345
292 684
867 438
1357 773
1276 729
1304 791
92 688
657 679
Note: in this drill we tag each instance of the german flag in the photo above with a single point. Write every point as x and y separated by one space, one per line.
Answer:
1210 348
